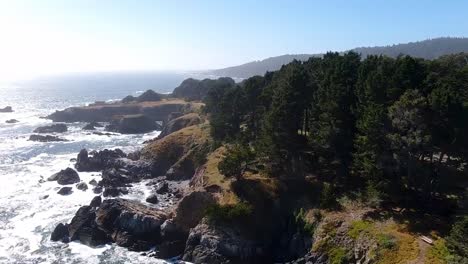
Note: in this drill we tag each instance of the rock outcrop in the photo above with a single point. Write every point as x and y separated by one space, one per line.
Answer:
11 121
65 191
66 176
99 160
192 89
178 123
210 243
6 109
132 124
91 126
55 128
46 138
157 111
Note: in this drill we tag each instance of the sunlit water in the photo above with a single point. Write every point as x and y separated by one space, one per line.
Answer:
26 221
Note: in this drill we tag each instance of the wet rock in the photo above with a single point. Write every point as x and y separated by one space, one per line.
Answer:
46 138
43 197
114 178
93 182
162 188
170 249
11 121
60 233
99 160
114 191
55 128
132 124
83 227
97 189
96 202
6 109
65 191
82 186
134 155
153 198
91 126
66 176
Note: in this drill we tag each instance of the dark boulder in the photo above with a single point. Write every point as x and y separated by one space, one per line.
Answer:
66 176
128 99
82 186
65 191
132 124
162 188
46 138
54 128
114 191
60 233
6 109
96 202
99 160
83 227
11 121
97 189
153 198
114 178
191 209
93 182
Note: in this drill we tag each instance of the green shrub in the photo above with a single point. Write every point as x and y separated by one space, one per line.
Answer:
303 224
387 241
357 227
227 213
457 241
235 161
337 255
327 196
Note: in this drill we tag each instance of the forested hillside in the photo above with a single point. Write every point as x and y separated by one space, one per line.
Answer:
390 132
427 49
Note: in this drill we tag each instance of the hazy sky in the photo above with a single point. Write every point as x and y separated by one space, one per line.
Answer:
54 36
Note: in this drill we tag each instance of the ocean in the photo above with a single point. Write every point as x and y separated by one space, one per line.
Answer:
26 218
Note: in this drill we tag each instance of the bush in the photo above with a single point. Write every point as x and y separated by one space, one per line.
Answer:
457 241
337 255
387 241
235 161
302 223
357 227
327 196
228 213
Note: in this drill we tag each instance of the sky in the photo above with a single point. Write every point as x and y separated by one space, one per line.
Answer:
40 37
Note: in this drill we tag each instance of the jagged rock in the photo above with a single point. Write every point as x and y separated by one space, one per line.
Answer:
82 186
96 202
183 169
191 209
178 123
6 109
153 198
46 138
99 160
208 243
55 128
114 178
132 124
162 188
114 191
134 155
65 191
93 182
60 233
97 189
170 249
11 121
128 99
149 96
83 227
66 176
131 224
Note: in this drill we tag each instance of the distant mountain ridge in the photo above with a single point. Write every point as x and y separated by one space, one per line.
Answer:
427 49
